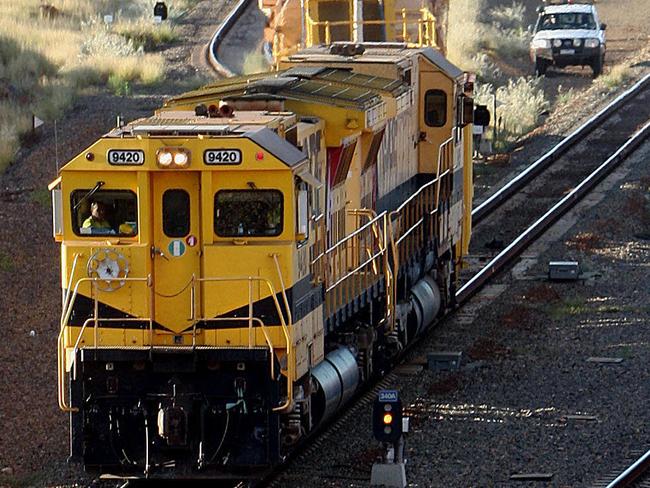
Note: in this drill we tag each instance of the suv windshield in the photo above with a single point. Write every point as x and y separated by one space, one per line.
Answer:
566 21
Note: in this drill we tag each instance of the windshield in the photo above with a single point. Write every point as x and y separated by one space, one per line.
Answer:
566 21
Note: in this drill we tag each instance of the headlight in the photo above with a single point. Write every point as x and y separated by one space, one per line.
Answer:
577 42
557 42
173 157
541 44
592 43
181 159
165 158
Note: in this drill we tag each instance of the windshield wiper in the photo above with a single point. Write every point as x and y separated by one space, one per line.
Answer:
97 186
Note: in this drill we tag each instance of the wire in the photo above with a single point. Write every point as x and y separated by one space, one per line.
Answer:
173 295
223 438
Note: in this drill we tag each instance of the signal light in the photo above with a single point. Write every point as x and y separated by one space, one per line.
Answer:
387 417
173 157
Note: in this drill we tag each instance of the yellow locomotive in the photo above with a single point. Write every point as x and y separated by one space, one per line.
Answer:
237 264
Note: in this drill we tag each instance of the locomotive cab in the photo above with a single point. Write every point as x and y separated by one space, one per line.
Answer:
188 306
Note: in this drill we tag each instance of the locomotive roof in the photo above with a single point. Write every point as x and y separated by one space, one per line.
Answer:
329 85
378 53
185 122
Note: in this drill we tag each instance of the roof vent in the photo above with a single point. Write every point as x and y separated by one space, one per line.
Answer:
347 49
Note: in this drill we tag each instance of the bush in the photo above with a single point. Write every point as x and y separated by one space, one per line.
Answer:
119 85
145 35
49 53
465 33
507 18
523 102
14 121
618 75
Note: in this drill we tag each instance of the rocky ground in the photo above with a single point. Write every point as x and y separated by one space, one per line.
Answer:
34 439
530 397
468 410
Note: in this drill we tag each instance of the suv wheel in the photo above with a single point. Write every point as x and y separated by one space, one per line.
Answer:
597 65
540 66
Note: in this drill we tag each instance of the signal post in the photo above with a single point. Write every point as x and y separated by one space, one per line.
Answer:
388 427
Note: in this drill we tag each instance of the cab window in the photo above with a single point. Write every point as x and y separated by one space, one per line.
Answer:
104 212
248 213
435 108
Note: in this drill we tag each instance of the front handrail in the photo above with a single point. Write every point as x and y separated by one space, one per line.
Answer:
425 24
283 325
67 312
64 403
68 290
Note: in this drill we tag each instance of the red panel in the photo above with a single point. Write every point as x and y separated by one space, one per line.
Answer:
333 161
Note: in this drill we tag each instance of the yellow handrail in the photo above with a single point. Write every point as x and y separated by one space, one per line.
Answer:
96 320
421 19
67 312
283 325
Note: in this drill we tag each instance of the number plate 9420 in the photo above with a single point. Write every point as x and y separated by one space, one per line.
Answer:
222 156
125 157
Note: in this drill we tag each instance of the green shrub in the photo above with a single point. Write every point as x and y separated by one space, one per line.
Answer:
118 85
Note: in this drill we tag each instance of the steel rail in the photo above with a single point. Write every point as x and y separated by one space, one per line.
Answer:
516 247
627 477
523 178
219 35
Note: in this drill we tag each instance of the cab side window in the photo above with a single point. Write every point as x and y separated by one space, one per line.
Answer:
435 108
104 212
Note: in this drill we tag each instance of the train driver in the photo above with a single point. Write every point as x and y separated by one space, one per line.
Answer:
98 222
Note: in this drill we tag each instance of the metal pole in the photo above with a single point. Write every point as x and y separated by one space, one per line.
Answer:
494 120
302 23
357 20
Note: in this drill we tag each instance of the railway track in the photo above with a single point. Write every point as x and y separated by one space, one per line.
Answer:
635 475
562 149
236 46
581 184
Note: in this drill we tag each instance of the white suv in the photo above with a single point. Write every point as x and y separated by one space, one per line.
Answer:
568 34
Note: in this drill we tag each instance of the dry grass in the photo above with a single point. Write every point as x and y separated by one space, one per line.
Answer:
51 51
255 63
465 33
618 75
520 102
146 35
499 32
